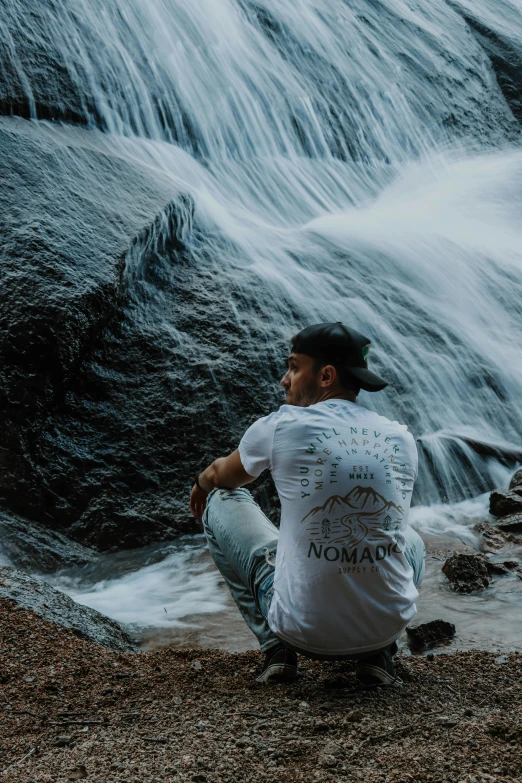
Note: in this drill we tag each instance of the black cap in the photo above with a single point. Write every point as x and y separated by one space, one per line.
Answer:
341 346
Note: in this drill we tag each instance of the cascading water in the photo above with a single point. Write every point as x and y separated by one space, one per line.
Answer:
358 157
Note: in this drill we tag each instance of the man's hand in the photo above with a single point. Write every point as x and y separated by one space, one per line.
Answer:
198 501
225 473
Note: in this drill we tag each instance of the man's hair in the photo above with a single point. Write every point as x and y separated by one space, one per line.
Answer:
346 379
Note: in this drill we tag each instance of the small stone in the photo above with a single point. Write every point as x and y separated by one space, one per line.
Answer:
326 760
468 712
196 665
321 726
467 572
327 706
304 706
78 773
332 749
444 720
201 725
62 741
427 634
430 656
355 716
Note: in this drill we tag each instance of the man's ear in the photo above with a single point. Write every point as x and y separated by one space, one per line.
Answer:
328 375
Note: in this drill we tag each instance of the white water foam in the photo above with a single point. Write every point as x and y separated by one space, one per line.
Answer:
181 584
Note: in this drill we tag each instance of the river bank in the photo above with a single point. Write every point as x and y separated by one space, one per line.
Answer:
72 709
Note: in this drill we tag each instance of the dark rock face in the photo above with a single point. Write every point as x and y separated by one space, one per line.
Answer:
67 214
29 546
46 76
55 607
427 635
467 572
505 59
124 361
505 501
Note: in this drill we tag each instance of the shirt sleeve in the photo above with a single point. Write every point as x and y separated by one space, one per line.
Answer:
256 445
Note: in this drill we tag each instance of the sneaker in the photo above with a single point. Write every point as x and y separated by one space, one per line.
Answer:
378 669
280 665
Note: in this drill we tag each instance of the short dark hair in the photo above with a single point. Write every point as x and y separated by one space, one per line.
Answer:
346 379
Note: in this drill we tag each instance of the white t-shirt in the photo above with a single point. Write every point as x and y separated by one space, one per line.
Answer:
344 476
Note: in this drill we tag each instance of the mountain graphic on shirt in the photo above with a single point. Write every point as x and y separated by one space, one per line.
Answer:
361 514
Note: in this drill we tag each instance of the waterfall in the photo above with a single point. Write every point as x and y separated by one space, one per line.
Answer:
358 157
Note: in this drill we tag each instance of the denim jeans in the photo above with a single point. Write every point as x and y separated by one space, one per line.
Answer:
243 544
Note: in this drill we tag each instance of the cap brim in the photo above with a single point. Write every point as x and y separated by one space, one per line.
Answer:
369 381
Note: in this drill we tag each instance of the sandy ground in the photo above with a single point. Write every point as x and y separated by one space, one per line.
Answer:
73 710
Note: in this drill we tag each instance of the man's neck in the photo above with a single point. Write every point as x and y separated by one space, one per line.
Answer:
338 394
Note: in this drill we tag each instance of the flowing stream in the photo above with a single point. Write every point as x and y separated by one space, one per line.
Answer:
361 159
170 595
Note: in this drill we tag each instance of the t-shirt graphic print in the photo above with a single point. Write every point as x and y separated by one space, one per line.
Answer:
344 476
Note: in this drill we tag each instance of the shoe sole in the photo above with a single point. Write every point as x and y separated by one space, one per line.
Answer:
374 675
278 672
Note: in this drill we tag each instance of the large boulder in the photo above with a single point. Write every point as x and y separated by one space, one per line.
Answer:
69 207
29 546
126 356
55 607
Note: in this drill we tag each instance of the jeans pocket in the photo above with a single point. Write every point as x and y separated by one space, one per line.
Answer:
265 594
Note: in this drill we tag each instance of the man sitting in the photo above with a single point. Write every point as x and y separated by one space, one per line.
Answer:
338 579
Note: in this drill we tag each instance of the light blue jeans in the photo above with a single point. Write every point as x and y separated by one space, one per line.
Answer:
243 544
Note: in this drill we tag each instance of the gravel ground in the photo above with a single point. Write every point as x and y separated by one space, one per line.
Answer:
72 710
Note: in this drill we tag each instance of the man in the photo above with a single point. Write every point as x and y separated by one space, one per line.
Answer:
338 580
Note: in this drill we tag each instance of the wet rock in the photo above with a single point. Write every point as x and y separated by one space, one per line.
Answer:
32 547
500 566
112 383
505 501
40 76
69 207
467 572
516 480
428 634
491 538
512 523
55 607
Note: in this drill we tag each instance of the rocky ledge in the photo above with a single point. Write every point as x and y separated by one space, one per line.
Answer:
72 710
26 592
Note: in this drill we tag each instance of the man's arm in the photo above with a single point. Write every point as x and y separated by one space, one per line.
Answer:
223 473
